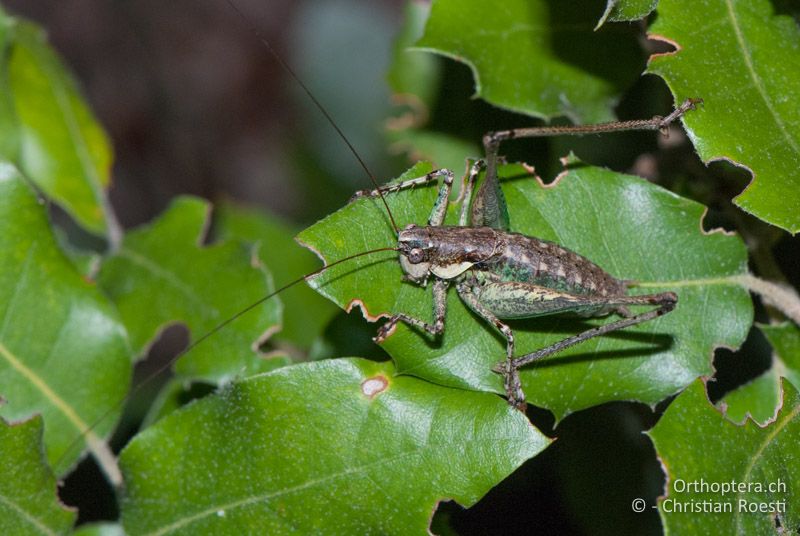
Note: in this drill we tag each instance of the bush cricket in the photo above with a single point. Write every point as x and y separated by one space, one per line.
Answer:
501 275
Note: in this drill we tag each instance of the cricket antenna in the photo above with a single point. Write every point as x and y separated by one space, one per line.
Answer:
257 33
109 464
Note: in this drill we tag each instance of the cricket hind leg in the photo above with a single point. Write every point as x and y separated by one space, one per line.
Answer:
489 207
465 196
665 302
511 381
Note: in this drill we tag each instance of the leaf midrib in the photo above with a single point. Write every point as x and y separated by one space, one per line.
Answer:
24 514
92 440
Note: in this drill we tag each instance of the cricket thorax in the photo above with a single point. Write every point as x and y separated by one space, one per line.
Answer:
446 252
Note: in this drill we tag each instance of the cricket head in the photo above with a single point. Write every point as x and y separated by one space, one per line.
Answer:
416 248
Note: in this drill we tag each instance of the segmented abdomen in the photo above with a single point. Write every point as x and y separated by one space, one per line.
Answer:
540 262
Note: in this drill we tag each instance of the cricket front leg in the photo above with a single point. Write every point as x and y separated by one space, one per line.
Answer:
440 206
511 381
439 310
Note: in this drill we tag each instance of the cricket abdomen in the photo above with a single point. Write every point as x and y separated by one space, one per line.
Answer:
526 259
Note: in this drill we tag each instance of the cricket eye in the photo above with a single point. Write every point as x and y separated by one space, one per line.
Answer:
416 256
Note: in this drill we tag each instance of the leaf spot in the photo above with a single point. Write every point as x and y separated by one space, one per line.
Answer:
374 386
220 513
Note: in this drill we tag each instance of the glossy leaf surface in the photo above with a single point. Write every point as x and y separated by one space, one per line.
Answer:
743 62
63 350
335 447
59 143
537 57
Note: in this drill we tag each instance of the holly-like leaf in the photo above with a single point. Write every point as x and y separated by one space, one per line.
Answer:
738 479
626 10
631 228
305 313
58 142
743 62
163 275
536 57
338 447
761 398
28 500
63 350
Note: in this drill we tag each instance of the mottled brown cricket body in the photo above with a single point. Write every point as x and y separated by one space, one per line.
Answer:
511 257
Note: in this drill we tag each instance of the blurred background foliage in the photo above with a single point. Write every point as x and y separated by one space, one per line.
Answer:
194 104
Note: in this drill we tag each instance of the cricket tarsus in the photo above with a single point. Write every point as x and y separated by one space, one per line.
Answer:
503 275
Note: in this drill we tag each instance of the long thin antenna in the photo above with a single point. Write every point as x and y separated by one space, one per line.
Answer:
257 33
205 336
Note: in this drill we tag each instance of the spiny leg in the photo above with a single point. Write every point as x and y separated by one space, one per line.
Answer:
511 382
440 206
439 310
655 123
491 141
665 301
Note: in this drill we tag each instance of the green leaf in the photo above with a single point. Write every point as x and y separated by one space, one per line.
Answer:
743 62
99 529
536 57
633 229
626 10
28 500
761 399
336 447
61 146
305 313
162 275
63 351
702 451
785 341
